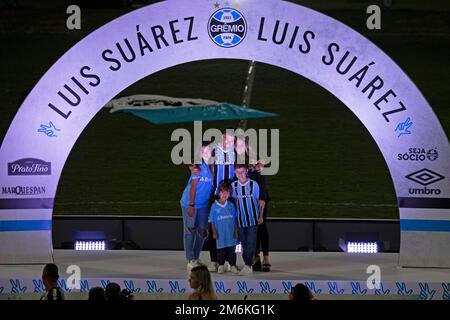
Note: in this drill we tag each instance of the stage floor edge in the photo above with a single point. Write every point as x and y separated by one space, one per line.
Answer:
164 272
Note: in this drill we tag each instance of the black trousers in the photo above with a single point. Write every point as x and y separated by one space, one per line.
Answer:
262 239
212 245
226 254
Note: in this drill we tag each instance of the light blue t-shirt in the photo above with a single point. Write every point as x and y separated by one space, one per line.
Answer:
203 189
223 217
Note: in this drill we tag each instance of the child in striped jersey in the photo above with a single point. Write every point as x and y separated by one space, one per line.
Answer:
246 194
245 154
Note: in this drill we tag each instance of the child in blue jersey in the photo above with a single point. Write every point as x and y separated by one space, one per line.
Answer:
224 155
194 207
246 194
224 227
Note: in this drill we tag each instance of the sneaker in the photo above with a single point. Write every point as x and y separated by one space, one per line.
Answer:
200 262
221 269
246 270
227 266
213 266
234 270
191 264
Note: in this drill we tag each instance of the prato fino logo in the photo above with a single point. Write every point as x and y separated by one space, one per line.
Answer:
227 27
29 167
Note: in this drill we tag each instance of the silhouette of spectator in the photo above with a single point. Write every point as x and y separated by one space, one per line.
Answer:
113 292
97 294
50 278
301 293
127 294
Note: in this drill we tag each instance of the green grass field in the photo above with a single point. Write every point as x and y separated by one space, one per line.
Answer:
329 164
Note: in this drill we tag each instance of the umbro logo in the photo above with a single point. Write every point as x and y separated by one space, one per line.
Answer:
425 177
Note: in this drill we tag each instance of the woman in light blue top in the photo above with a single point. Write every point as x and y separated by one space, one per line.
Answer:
194 207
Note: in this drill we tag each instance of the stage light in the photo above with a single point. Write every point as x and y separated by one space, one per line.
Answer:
362 247
362 242
90 241
83 245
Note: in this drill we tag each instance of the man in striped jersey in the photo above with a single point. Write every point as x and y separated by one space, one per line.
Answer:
224 159
246 194
224 154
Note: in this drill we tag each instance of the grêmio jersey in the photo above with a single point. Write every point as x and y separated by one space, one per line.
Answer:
223 165
246 196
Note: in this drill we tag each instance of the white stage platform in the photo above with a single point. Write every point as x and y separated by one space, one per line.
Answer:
164 272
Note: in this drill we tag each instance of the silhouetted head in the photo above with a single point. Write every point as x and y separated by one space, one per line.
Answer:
97 294
50 275
300 293
112 292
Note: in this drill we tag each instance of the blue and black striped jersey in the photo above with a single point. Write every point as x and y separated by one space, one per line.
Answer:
247 196
223 165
